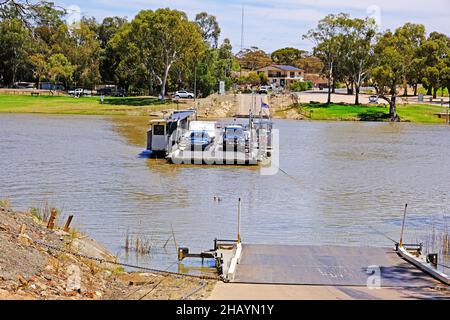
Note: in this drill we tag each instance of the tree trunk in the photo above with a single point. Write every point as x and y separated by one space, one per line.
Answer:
330 76
350 87
415 89
405 87
393 109
434 93
357 89
429 91
163 83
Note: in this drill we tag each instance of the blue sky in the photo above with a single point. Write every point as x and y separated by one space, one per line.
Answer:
273 24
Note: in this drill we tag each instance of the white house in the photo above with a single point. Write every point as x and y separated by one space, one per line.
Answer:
282 75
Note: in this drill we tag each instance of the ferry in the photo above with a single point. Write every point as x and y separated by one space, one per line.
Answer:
182 139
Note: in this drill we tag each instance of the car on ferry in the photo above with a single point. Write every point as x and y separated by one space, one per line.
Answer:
234 137
196 140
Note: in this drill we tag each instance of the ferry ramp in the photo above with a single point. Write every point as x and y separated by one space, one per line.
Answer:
251 103
327 266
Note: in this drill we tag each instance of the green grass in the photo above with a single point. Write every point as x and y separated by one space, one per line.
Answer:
344 112
83 105
439 92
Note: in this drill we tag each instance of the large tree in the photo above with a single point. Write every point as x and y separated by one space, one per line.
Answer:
15 44
85 53
410 37
59 68
288 56
388 70
158 40
209 27
327 44
253 58
359 56
109 59
310 63
435 51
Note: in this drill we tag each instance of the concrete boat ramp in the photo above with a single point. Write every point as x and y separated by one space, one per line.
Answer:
325 272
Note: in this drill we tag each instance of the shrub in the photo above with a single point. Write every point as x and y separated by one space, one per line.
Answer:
298 86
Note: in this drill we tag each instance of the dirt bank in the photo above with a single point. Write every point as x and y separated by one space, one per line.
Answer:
29 270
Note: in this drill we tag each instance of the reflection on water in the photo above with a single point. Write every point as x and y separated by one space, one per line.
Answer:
345 177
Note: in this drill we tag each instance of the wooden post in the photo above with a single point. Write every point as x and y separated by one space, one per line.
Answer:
67 226
51 221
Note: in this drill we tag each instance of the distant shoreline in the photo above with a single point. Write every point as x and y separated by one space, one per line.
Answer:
151 106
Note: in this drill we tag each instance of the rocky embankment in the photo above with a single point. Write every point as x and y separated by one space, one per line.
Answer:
31 270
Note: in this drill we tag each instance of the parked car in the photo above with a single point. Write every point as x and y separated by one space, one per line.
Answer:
183 94
196 139
105 92
264 89
24 85
234 137
373 99
120 93
79 92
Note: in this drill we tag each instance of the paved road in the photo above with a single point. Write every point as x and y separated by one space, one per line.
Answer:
250 102
239 291
325 272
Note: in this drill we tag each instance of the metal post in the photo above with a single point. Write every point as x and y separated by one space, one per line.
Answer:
403 226
448 118
195 81
239 222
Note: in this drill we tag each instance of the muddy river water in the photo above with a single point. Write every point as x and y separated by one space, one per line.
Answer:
340 181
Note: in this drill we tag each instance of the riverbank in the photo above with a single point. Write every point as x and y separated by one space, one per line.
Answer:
30 271
138 106
215 107
420 113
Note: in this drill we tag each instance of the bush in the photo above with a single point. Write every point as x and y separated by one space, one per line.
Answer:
298 86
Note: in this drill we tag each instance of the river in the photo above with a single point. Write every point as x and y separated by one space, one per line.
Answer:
344 179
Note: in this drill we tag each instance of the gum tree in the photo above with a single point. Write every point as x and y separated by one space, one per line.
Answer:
359 56
435 52
411 37
388 70
327 44
209 28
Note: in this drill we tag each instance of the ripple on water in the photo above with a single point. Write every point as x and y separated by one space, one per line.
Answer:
345 178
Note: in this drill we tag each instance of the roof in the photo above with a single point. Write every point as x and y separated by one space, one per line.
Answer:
182 114
283 67
286 67
315 78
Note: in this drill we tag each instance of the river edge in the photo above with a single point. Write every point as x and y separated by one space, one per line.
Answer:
32 271
217 107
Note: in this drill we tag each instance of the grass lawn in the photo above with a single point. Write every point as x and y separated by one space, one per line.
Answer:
83 105
343 112
439 92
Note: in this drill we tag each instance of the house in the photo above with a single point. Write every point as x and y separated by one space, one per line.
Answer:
282 75
317 80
